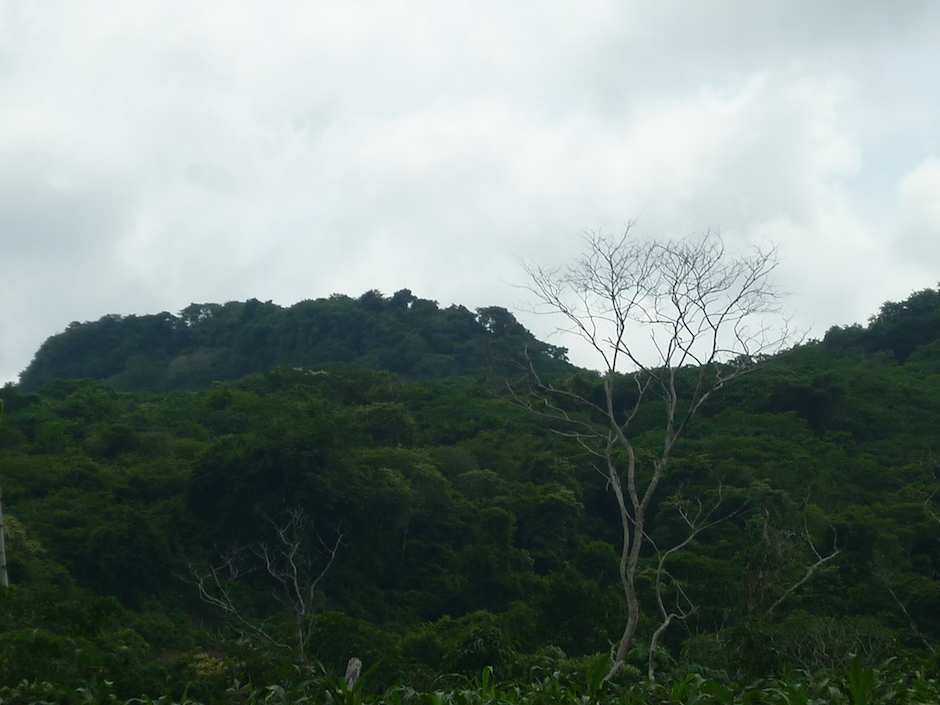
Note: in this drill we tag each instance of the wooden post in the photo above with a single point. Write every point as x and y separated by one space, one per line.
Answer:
353 670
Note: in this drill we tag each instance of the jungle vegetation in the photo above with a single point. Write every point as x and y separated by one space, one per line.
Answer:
226 504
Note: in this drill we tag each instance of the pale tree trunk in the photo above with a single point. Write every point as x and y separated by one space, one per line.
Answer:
627 571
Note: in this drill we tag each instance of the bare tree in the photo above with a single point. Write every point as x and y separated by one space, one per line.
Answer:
672 323
295 561
785 553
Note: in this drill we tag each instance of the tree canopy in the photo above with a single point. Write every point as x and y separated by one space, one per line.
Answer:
205 343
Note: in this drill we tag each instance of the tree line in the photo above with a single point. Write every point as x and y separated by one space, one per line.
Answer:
205 343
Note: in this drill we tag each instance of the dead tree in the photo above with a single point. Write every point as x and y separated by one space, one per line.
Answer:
295 562
673 321
786 556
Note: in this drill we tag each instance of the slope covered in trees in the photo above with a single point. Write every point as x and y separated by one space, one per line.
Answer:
205 343
466 532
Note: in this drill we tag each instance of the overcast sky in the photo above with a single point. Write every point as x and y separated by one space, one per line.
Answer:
156 153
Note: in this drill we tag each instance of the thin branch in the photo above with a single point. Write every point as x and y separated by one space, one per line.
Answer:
810 572
290 561
696 523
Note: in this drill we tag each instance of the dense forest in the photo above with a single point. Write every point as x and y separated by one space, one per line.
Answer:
227 504
207 343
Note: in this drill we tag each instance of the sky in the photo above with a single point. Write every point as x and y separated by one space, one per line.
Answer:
156 153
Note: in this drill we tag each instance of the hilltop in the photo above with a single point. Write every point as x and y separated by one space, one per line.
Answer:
207 343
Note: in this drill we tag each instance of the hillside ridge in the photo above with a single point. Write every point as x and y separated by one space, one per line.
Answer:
209 342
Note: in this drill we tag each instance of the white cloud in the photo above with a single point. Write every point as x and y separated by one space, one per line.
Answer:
919 197
157 153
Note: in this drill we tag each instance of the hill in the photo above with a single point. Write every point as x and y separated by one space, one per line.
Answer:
206 343
899 330
443 528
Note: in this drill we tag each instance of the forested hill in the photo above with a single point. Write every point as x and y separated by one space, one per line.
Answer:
442 528
218 342
900 331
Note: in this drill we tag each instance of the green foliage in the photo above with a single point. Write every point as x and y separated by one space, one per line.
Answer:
479 557
896 331
210 342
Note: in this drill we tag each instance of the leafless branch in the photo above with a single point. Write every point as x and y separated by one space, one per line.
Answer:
810 570
883 575
214 585
696 520
292 560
